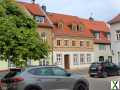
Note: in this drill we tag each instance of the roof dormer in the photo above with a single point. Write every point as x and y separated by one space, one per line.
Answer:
74 27
40 19
81 27
60 25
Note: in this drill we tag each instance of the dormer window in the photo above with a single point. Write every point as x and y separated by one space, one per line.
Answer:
96 35
40 19
74 27
81 27
60 25
108 36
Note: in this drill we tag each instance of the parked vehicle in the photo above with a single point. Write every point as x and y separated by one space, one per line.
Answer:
0 85
43 78
103 69
2 74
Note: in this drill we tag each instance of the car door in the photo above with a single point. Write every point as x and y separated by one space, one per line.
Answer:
110 68
115 68
43 77
63 80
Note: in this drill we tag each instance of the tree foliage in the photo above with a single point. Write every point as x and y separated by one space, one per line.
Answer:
18 35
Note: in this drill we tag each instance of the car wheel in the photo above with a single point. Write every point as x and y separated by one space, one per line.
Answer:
104 75
33 88
81 86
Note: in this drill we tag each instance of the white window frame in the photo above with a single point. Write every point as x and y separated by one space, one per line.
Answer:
66 45
60 25
108 36
97 35
44 62
89 58
75 59
40 19
82 58
57 42
59 59
118 35
44 37
74 27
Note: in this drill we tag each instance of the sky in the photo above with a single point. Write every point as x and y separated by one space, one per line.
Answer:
98 9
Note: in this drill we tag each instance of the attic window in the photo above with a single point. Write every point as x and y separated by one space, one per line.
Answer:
60 25
107 35
81 27
40 19
96 35
74 27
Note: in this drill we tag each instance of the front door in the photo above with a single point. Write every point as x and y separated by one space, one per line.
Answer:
66 62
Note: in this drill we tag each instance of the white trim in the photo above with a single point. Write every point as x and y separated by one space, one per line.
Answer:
71 58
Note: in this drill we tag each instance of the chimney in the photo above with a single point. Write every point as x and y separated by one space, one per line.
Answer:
33 1
44 8
91 18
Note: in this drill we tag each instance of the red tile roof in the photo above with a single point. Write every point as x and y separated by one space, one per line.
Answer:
36 10
115 19
99 26
67 20
90 26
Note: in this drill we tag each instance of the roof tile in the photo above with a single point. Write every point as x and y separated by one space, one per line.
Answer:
115 19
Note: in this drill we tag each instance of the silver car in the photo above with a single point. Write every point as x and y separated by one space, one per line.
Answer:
43 78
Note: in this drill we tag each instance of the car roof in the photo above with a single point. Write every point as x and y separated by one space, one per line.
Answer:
42 66
100 62
48 66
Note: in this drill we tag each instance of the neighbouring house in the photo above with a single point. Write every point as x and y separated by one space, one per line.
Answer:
72 42
44 29
102 43
115 38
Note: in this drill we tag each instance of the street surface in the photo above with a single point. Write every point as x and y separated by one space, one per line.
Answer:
98 83
101 83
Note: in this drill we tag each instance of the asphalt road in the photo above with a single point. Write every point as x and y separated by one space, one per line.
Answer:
101 83
98 83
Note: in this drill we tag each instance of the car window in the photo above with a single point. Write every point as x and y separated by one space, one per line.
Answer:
94 65
12 74
59 72
109 65
41 71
